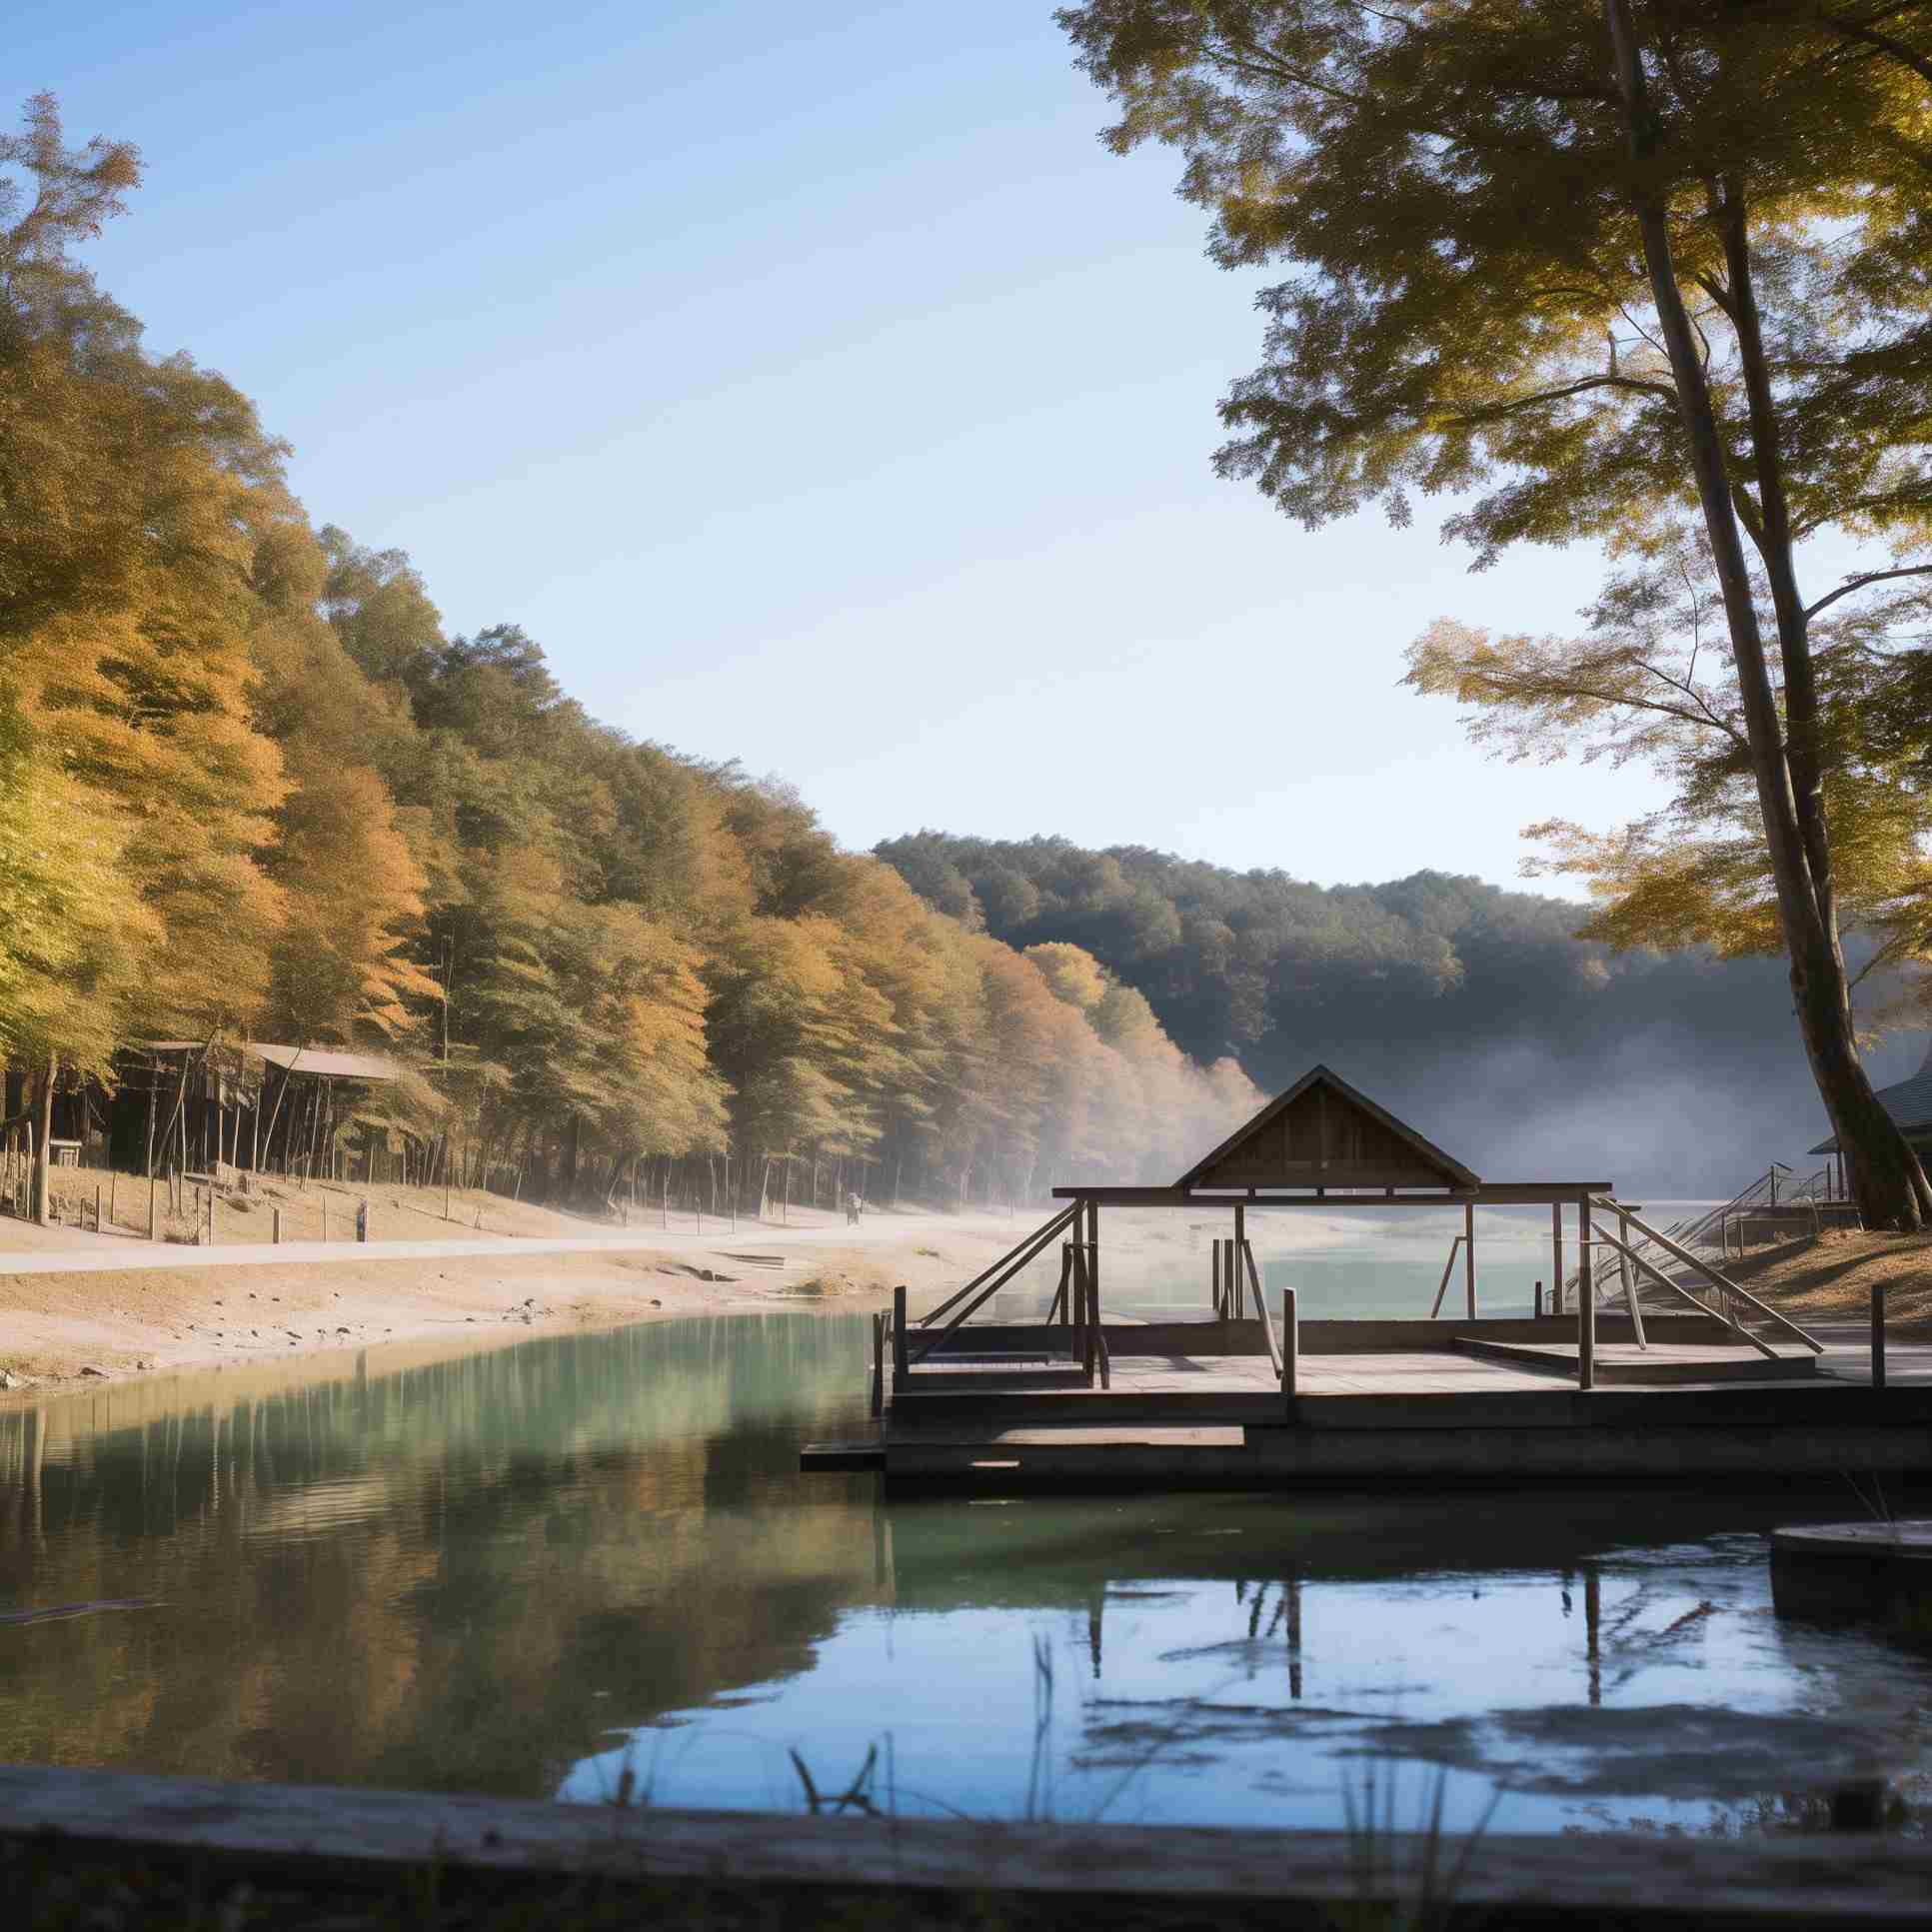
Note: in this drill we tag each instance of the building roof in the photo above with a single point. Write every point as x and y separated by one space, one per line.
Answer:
324 1062
1323 1132
1908 1102
327 1063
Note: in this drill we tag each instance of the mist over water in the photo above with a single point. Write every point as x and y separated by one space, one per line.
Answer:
1474 1014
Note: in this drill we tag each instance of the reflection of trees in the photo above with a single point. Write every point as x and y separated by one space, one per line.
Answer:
457 1576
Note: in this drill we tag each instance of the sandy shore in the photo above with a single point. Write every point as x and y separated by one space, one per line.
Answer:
66 1330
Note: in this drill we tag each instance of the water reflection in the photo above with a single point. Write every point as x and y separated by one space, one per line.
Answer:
529 1570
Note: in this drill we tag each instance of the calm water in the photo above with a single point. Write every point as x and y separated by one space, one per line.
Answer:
524 1571
1356 1261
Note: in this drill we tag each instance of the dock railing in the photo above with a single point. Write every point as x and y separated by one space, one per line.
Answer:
986 1285
1721 1295
1261 1307
1448 1269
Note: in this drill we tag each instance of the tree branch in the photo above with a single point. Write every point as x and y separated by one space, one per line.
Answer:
1886 44
1497 411
1858 584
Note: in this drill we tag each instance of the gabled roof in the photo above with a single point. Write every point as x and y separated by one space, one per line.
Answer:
1908 1102
1323 1132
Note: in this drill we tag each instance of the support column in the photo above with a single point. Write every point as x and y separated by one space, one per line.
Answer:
1469 1254
1093 1236
1585 1300
1556 1257
1240 1259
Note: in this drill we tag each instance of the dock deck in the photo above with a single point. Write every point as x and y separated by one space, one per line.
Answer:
1446 1408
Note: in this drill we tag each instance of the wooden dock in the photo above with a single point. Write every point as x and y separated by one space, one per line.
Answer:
1706 1382
1402 1403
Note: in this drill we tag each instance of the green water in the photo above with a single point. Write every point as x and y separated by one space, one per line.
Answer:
528 1570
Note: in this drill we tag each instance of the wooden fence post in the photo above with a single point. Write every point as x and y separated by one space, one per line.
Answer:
879 1364
898 1339
1585 1300
154 1224
1469 1255
211 1213
1878 1336
274 1226
1290 1345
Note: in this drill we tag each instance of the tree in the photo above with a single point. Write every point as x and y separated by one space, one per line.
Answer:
1599 271
1643 683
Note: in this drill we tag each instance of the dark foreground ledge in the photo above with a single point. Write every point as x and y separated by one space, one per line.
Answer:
326 1855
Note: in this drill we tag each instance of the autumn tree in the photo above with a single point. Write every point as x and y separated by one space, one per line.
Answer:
1597 271
1643 683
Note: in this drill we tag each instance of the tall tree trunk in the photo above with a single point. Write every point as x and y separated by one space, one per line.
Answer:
1886 1178
44 1153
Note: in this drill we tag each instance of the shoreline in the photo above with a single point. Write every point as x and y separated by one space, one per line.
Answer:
71 1320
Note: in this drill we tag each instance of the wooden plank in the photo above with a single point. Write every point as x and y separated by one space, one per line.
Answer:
1527 1193
1636 1879
820 1458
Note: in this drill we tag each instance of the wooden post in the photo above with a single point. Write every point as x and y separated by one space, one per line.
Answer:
1538 1305
40 1142
898 1339
274 1226
1216 1273
97 1207
1627 1275
1556 1257
1093 1235
1469 1254
1585 1300
1290 1345
1878 1336
325 1217
879 1364
211 1213
1237 1254
154 1223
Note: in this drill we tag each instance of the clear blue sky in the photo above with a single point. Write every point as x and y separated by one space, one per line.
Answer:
817 390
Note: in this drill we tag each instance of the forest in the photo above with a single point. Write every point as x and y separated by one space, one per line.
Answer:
253 788
1474 1011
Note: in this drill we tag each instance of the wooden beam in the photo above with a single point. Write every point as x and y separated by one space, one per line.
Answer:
1511 1194
1194 1872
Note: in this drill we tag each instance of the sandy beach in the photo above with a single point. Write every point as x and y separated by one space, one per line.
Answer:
78 1307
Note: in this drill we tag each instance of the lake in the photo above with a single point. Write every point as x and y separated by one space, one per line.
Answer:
529 1570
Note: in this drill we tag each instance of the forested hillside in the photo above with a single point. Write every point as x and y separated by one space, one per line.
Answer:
1515 1044
251 787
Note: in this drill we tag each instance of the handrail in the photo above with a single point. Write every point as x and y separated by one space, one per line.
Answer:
1037 1241
1677 1287
1261 1302
1018 1257
1448 1269
1712 1275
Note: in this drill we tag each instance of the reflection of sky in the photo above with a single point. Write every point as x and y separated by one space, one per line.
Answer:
1201 1708
1361 1261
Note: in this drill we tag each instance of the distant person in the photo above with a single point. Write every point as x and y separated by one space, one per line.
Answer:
852 1207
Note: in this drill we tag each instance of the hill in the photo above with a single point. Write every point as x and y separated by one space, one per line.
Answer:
1468 1007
